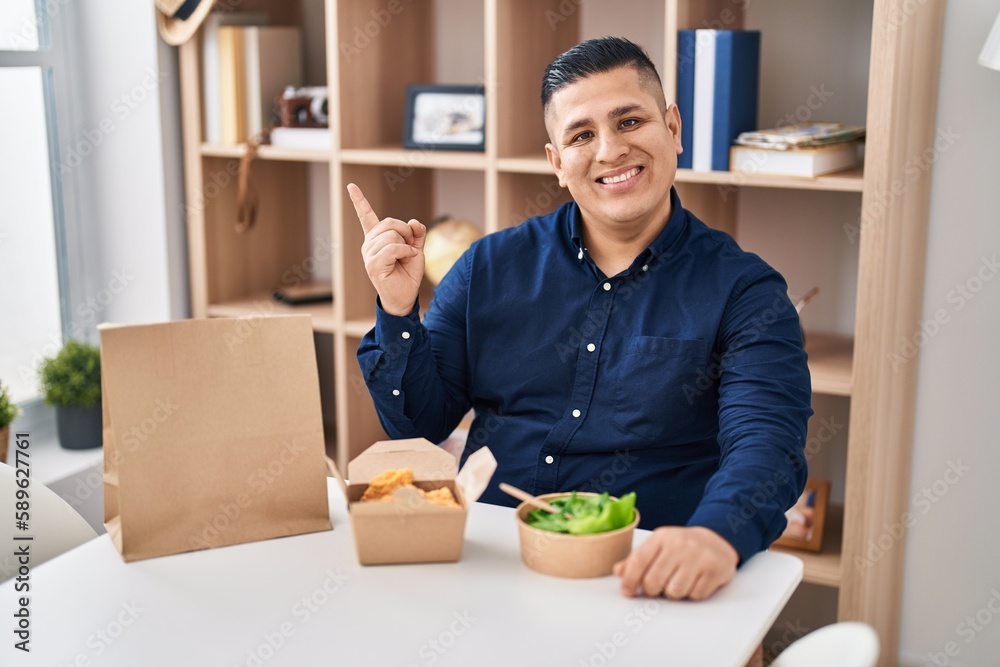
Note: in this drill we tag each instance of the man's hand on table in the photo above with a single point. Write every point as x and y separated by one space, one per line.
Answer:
678 562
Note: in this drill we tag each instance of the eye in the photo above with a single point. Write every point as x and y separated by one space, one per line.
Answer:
583 136
629 123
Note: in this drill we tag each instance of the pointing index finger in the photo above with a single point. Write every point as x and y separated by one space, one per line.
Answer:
361 206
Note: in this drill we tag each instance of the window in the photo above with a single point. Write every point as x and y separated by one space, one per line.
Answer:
34 301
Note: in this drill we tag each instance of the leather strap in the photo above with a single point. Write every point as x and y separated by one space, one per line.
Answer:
246 196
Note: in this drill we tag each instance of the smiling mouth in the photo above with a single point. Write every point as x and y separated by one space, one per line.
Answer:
620 178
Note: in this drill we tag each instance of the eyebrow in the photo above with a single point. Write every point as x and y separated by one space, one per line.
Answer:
617 112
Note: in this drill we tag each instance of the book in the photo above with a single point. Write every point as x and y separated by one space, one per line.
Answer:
309 291
210 84
726 82
272 60
232 86
307 138
802 135
685 94
256 63
703 116
808 162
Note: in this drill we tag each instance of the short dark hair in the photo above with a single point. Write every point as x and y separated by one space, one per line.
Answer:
596 56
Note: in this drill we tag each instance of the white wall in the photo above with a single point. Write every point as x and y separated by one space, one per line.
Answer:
953 551
128 180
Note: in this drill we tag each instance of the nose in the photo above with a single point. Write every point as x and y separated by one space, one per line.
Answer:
611 148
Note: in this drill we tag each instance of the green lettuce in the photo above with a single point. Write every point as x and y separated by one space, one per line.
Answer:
591 514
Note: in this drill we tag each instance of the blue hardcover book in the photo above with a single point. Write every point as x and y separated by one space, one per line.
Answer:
685 94
737 79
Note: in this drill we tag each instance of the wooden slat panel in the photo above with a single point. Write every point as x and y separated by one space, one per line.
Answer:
523 196
903 82
530 34
375 69
189 62
242 264
714 206
363 429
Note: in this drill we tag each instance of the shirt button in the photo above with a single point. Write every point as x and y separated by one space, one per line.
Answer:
645 267
549 459
406 335
607 287
591 347
395 392
576 413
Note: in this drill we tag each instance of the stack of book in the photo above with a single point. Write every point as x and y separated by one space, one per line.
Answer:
246 65
718 73
807 149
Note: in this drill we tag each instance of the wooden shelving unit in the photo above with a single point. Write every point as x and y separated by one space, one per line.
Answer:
851 180
831 359
824 567
233 274
263 305
265 153
394 156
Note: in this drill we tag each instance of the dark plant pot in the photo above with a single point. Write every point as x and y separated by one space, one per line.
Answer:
79 428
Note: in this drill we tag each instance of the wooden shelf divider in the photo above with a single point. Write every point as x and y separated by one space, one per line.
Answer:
850 180
263 305
397 156
831 361
823 567
266 153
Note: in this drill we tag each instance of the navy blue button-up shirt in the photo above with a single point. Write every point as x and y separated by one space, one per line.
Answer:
682 378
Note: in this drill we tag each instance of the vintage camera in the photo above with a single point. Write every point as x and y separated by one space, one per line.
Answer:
304 107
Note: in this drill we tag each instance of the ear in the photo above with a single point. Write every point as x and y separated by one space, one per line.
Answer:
672 119
556 162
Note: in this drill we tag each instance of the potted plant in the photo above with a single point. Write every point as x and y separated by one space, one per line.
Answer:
71 382
8 411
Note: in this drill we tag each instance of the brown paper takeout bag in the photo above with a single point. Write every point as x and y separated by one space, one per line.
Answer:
213 434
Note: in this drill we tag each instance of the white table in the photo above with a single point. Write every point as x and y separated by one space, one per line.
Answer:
305 601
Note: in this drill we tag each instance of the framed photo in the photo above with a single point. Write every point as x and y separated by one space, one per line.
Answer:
449 118
806 518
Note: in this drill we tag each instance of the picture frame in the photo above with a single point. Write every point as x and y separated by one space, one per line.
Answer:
442 117
807 518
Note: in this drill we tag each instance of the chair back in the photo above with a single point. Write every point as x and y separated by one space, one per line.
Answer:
847 644
53 525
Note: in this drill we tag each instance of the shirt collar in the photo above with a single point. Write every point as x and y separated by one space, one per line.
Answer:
660 245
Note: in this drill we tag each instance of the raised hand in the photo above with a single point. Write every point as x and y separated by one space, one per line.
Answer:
394 255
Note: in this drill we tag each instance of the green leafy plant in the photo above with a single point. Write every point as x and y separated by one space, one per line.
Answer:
72 378
591 514
8 411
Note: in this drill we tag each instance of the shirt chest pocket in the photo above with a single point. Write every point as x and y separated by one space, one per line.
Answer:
657 390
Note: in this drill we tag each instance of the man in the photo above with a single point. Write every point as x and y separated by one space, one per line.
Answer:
616 344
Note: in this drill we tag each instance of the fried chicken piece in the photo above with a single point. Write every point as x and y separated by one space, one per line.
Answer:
442 496
385 483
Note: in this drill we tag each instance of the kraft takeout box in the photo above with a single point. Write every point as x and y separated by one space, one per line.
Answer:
411 530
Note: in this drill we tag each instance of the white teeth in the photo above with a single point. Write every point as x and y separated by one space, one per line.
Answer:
621 177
